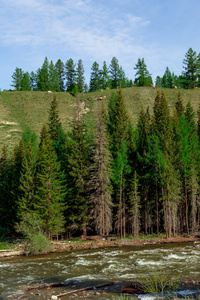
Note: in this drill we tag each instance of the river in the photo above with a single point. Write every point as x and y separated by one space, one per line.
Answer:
111 264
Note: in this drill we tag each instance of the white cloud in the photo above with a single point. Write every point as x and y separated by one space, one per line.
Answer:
70 23
87 29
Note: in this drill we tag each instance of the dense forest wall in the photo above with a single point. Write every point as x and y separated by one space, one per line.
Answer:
125 165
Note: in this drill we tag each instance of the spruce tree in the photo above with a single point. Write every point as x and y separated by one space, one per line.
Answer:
25 82
104 76
77 173
57 134
164 130
119 127
16 168
43 76
143 77
114 73
17 78
134 205
70 74
54 80
191 67
61 74
27 182
188 157
95 77
100 174
143 131
80 79
49 196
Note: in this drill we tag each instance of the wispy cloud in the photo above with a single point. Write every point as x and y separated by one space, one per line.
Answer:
81 25
87 29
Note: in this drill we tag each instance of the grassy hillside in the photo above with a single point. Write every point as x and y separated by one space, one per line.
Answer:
21 109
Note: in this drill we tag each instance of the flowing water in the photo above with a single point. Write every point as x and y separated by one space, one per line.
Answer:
110 264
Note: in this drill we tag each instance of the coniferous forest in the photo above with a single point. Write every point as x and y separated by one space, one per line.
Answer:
108 178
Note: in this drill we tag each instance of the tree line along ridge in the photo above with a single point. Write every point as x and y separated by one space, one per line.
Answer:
69 76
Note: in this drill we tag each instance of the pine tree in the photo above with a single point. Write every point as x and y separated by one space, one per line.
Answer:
191 68
95 77
156 166
33 81
80 79
100 184
142 75
120 169
104 76
57 134
118 128
188 157
54 80
27 182
61 74
77 173
16 167
29 136
48 201
121 121
43 76
167 80
179 106
134 205
114 73
164 130
70 74
122 77
25 82
143 131
17 78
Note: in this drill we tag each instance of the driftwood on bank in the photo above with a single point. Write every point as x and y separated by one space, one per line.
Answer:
81 290
45 285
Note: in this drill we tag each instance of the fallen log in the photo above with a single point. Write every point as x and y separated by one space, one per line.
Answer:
81 290
45 285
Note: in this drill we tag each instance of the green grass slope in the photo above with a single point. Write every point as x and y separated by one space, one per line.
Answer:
21 109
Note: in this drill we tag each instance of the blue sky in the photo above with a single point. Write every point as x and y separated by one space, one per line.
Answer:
159 31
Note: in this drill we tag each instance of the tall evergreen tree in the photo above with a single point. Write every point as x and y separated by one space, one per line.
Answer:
191 65
25 82
99 184
43 76
167 80
33 81
57 134
164 131
77 177
142 75
70 74
16 168
119 126
17 78
61 74
54 80
134 205
48 201
95 77
80 79
27 182
104 76
114 73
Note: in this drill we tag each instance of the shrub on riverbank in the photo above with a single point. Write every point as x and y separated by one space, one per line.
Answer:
30 226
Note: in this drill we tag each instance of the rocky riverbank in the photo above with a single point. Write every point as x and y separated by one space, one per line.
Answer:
62 246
